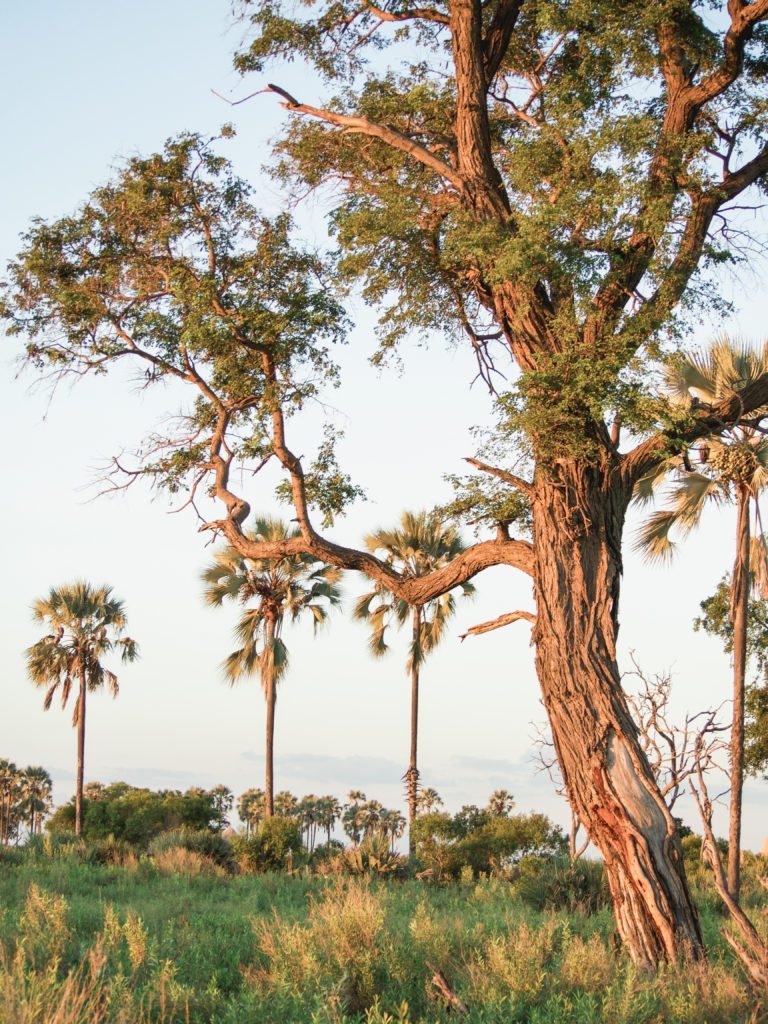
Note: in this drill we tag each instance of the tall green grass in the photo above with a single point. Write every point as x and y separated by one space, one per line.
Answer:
139 943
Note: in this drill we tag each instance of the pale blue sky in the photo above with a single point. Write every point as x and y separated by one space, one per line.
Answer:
85 83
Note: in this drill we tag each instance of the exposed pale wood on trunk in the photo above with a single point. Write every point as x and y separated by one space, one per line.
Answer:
578 521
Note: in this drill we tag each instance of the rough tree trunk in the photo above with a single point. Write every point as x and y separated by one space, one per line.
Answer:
80 758
412 775
578 521
739 614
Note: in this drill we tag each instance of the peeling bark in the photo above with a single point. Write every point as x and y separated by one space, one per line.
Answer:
578 521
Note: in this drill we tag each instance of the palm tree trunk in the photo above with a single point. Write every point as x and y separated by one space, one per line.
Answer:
271 694
739 616
80 756
413 771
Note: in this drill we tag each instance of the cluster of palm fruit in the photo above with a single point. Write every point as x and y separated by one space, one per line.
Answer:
735 462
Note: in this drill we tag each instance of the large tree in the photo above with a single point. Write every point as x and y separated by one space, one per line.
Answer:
548 176
86 623
419 545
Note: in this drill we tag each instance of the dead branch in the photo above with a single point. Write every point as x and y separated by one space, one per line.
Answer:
751 949
438 988
502 620
503 474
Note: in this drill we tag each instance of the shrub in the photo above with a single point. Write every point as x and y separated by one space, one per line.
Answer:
325 855
211 845
373 856
342 946
138 815
43 928
276 844
178 860
482 842
557 884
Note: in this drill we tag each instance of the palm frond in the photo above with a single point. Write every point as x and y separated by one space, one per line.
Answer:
653 537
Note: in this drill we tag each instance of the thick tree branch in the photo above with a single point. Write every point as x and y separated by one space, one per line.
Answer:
362 126
744 17
473 135
499 34
684 101
414 590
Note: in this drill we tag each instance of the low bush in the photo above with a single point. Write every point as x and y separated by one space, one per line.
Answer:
481 842
275 846
178 860
138 815
210 845
558 884
373 856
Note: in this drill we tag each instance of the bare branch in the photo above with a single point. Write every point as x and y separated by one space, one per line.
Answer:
502 620
412 14
362 126
752 951
505 475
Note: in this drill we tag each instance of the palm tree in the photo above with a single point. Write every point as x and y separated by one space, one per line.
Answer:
329 812
392 825
286 804
86 623
308 811
223 798
9 780
421 544
500 803
250 808
732 468
351 819
428 799
36 788
293 585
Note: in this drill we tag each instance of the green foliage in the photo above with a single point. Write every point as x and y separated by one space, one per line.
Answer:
578 886
716 621
201 841
592 179
481 841
373 856
274 845
171 265
82 942
138 815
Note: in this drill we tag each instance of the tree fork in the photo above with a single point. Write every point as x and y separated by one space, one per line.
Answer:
578 520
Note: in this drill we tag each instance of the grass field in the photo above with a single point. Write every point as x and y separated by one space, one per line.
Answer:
174 942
